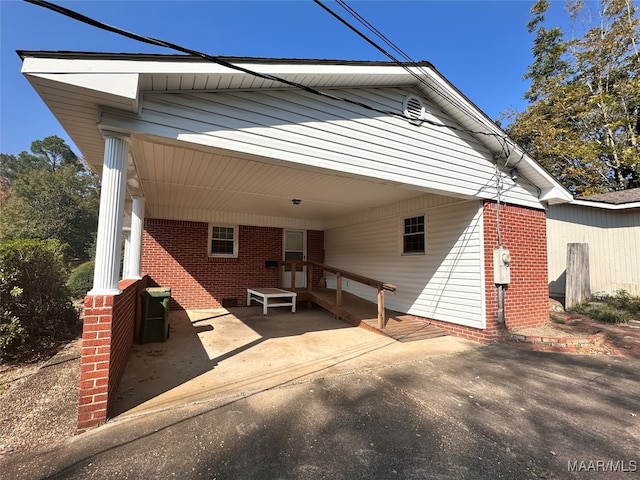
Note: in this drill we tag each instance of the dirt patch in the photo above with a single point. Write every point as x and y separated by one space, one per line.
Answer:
608 339
38 402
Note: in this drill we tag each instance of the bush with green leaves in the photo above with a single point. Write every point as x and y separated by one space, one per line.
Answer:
36 312
81 279
619 308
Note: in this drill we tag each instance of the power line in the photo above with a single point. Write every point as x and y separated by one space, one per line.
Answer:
162 43
406 65
220 61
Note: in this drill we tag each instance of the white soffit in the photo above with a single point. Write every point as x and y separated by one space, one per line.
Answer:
119 84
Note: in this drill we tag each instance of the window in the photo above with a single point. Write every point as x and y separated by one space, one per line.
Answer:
413 235
223 241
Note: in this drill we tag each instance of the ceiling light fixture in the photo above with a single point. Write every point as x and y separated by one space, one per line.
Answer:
296 201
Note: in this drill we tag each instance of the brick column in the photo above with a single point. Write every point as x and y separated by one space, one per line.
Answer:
94 361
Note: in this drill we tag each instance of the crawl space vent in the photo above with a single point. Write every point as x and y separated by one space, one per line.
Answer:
413 107
229 302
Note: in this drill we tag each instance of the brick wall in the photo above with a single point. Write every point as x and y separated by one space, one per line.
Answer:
175 255
107 338
523 232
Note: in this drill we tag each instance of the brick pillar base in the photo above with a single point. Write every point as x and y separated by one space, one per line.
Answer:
94 361
107 337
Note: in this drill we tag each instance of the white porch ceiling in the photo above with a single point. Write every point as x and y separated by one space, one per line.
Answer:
179 181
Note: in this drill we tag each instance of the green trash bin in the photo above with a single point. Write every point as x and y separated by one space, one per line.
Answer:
155 314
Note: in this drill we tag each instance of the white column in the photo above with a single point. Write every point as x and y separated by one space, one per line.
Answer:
135 239
109 241
127 253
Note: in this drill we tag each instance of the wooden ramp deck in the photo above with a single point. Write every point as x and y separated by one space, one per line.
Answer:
362 313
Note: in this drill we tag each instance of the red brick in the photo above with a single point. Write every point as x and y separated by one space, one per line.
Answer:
175 255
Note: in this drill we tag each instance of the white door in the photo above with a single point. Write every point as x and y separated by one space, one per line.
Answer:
294 249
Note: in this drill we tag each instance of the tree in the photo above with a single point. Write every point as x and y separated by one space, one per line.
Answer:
52 195
583 118
51 153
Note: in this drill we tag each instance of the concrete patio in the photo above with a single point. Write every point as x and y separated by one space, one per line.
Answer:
225 354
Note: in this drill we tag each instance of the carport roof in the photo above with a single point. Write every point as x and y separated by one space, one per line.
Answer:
77 86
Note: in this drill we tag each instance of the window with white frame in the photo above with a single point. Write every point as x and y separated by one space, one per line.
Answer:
223 240
413 235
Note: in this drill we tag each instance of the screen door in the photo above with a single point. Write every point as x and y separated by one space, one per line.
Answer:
294 249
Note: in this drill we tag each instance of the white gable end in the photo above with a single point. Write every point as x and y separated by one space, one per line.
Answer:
299 128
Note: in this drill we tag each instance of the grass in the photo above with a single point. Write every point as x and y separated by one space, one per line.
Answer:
619 308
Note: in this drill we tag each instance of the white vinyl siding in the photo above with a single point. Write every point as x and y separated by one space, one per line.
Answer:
614 246
294 126
444 284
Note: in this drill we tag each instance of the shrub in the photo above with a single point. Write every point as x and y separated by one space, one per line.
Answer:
36 308
618 308
81 279
609 314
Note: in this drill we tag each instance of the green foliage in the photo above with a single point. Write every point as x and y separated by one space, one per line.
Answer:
618 308
36 309
81 279
51 196
583 118
49 153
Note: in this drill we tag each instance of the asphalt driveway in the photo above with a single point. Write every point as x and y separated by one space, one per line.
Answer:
489 412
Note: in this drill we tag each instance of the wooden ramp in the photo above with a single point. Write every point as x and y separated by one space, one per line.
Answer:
362 313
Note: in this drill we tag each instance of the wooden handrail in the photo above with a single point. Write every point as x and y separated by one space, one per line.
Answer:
340 274
353 276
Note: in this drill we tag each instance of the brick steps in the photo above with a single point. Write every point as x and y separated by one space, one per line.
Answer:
566 344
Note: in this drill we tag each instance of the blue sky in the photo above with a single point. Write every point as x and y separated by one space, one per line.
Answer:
482 47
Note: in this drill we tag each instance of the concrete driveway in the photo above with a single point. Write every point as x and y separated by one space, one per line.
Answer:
485 412
230 353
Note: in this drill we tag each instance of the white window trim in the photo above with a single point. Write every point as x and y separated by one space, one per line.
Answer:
235 241
401 220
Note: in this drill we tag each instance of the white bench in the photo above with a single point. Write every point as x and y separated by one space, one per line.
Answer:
272 297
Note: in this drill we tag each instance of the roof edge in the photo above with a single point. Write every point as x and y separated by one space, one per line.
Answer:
76 55
604 205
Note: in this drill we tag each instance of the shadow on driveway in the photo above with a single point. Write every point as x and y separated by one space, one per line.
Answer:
486 413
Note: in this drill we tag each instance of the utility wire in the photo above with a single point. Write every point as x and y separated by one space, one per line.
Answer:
220 61
405 56
162 43
504 140
406 65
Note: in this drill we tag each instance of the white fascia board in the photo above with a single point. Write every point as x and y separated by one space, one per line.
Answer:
606 206
53 65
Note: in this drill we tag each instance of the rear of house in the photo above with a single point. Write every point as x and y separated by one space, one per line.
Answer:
221 174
